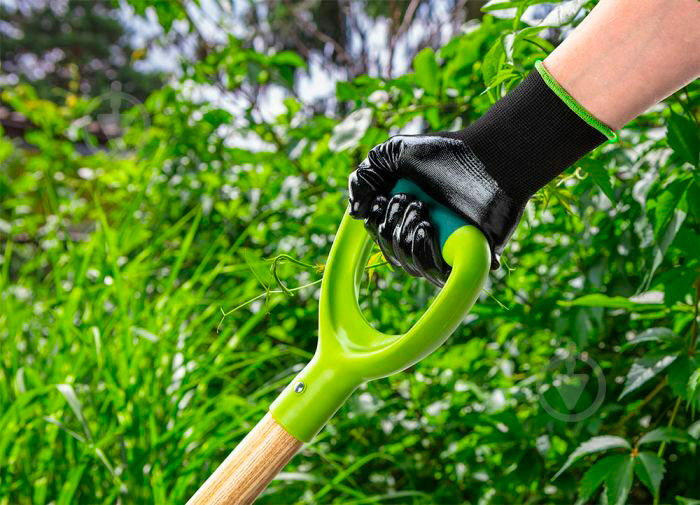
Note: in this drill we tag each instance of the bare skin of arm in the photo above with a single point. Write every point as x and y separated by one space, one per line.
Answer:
627 55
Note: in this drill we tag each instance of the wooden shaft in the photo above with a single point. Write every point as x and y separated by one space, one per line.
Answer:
247 471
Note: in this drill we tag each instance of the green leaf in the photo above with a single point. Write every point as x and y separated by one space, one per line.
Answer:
595 444
501 5
596 474
288 58
693 383
610 302
492 61
666 204
661 247
678 282
619 482
76 406
258 268
348 133
504 76
686 239
694 430
666 434
143 333
427 71
346 91
168 14
680 500
372 263
650 470
684 138
693 198
651 335
679 374
433 116
643 370
292 105
530 31
563 13
70 486
601 177
217 117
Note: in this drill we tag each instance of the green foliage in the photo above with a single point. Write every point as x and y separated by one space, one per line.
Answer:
427 73
123 382
617 471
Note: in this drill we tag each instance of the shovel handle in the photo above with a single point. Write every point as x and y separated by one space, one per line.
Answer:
250 467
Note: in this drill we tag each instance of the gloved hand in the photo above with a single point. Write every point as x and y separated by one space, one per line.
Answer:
485 173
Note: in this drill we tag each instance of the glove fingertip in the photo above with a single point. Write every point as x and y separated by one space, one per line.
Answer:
375 216
426 253
361 194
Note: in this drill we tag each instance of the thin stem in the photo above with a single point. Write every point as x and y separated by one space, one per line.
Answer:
691 351
281 258
670 423
685 105
284 289
659 387
499 302
694 331
262 295
535 43
375 265
663 444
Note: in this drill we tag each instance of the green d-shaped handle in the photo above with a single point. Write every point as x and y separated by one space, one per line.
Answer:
351 352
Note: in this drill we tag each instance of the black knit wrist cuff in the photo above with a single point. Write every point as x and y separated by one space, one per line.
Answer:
528 138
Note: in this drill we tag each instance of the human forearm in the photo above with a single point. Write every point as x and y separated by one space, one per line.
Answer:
628 55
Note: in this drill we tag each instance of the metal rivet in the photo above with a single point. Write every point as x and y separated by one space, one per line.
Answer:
299 387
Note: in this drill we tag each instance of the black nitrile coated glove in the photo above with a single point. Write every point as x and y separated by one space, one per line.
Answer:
486 173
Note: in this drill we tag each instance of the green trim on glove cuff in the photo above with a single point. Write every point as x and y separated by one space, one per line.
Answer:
573 104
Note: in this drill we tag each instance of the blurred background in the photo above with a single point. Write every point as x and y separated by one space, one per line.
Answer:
172 174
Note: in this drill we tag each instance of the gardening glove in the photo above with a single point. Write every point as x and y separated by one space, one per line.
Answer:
485 173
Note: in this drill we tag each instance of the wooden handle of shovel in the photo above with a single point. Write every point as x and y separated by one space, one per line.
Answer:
247 471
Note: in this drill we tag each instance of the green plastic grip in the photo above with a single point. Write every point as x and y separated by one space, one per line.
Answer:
350 352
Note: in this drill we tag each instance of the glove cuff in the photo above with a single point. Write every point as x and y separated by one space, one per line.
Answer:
532 135
571 102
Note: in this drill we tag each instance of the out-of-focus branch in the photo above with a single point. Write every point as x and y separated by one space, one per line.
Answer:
405 23
361 64
458 15
313 31
407 18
